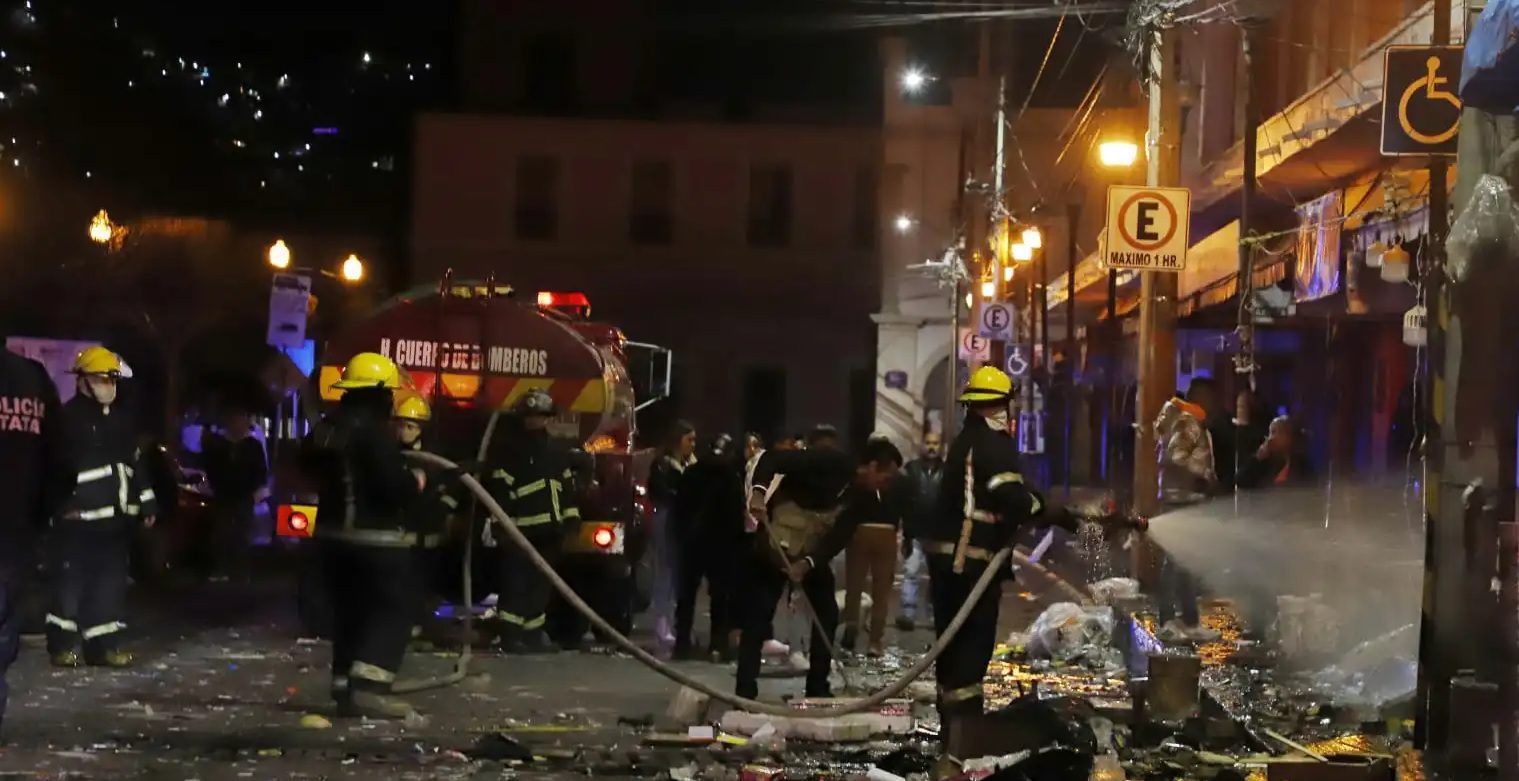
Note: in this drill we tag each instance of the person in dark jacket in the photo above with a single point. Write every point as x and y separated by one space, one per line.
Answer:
368 538
800 534
434 506
35 477
236 469
666 480
93 530
532 478
919 483
1279 461
983 501
871 555
710 507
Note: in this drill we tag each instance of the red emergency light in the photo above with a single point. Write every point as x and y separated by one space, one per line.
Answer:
570 303
295 520
603 537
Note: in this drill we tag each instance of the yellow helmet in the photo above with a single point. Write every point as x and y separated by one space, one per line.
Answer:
98 360
411 406
987 384
369 370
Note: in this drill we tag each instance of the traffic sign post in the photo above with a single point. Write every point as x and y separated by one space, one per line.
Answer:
1421 114
975 349
1147 228
289 302
996 322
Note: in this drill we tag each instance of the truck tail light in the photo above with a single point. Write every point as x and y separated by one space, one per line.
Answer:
603 537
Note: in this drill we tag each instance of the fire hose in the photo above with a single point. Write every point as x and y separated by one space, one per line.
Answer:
868 703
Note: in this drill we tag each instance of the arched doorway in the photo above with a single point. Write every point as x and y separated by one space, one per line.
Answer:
936 401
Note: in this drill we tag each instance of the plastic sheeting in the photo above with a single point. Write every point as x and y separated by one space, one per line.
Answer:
1486 231
1490 65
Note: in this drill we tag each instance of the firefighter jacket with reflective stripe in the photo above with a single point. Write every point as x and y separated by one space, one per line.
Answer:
109 479
36 474
438 501
364 483
983 499
534 481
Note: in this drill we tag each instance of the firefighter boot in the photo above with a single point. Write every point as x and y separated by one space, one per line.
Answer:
114 658
368 704
66 659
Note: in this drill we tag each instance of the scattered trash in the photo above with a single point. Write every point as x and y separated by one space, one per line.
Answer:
768 738
270 752
1107 592
1066 631
497 747
315 721
689 706
683 773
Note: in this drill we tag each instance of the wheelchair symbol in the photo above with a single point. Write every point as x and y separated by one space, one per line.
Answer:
1431 85
1016 365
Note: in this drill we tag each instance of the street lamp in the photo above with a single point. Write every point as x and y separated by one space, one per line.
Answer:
904 223
279 254
1033 238
353 268
1117 154
1007 273
101 229
913 79
989 289
1023 253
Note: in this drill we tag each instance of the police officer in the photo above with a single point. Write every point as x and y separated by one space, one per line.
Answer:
982 502
368 537
35 477
532 478
431 512
92 533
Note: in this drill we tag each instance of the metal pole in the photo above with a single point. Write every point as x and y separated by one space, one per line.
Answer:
1432 716
1157 297
1073 223
1245 364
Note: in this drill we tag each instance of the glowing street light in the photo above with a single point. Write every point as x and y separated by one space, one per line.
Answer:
1023 253
989 289
101 229
904 223
1033 238
1007 273
353 268
913 80
1118 154
279 254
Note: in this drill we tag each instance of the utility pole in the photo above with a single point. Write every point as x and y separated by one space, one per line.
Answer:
1244 364
1441 633
1072 225
1157 294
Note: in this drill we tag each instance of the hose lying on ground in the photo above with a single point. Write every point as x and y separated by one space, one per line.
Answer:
868 703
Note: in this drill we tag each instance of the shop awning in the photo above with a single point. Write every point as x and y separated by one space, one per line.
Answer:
1324 137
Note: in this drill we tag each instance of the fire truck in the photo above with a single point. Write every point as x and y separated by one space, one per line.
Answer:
473 349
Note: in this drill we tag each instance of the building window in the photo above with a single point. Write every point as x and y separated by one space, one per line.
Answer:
867 208
651 210
537 197
769 205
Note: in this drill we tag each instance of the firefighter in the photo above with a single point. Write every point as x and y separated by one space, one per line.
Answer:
433 508
35 476
92 533
532 478
982 502
367 536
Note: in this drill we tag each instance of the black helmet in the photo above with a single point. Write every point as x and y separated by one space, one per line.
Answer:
535 402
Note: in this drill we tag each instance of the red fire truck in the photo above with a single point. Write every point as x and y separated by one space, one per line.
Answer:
475 348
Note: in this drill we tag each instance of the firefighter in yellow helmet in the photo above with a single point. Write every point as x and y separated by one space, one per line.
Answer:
432 510
982 501
92 532
367 536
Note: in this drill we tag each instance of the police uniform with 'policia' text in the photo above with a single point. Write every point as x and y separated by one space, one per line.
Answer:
92 531
982 502
35 476
368 537
532 478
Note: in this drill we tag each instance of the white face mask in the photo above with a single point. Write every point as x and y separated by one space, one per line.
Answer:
101 389
998 420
